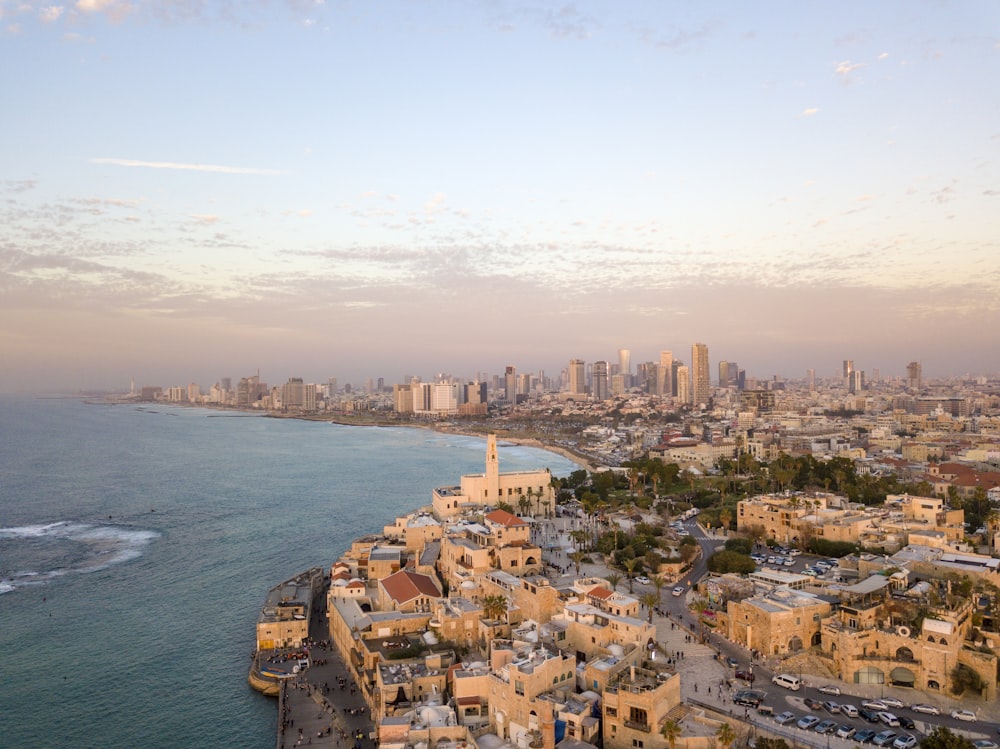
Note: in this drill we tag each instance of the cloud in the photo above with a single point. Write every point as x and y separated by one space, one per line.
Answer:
436 203
846 68
51 14
809 112
205 219
188 167
883 56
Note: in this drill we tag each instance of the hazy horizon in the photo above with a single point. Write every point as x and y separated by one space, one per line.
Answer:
345 189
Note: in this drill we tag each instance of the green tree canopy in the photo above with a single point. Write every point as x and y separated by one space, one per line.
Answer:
731 561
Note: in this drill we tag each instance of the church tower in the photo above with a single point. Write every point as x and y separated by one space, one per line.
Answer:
492 470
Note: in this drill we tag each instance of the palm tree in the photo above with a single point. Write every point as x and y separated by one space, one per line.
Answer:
577 557
579 537
613 579
726 735
630 567
659 582
494 607
524 504
649 600
671 732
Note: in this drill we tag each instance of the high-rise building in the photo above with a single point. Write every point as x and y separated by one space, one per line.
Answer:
600 384
914 376
625 365
577 377
811 379
848 371
665 383
681 380
857 382
701 386
729 372
510 384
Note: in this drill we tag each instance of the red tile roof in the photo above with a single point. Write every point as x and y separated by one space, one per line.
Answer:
504 518
404 586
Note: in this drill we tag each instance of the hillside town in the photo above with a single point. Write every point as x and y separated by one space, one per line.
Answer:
666 602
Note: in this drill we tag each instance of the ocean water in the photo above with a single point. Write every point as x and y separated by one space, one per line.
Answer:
137 544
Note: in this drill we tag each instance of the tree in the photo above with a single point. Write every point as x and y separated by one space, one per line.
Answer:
659 582
631 565
494 607
577 557
524 504
730 561
942 738
672 731
726 735
649 600
613 579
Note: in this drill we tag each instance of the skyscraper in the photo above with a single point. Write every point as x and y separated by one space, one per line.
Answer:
683 384
510 384
811 379
848 371
701 387
625 365
913 375
665 375
600 381
577 377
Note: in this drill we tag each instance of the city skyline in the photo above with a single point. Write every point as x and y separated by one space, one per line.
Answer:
191 191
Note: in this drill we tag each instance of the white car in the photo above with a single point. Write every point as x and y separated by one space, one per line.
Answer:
874 705
966 715
926 709
642 579
984 744
889 719
830 689
849 710
678 591
907 741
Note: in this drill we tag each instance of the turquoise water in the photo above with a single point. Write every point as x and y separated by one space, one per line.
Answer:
137 544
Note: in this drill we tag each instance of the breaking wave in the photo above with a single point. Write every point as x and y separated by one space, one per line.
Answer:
38 554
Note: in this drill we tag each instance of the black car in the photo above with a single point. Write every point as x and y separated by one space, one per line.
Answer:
905 722
749 697
813 704
864 736
870 715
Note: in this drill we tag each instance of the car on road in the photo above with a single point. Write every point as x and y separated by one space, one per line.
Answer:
849 710
889 719
746 676
807 721
831 707
845 731
642 579
875 705
864 736
783 718
984 744
926 709
830 689
906 741
884 739
813 704
678 591
870 715
891 702
827 726
966 715
732 662
749 697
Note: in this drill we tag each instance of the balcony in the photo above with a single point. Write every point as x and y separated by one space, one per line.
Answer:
644 727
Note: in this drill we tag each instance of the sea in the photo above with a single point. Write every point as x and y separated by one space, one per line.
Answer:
137 544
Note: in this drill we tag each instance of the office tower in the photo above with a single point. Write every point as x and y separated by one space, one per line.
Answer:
914 375
681 380
665 383
577 383
331 385
741 379
618 385
723 374
625 365
811 379
381 384
402 399
701 386
524 384
600 384
848 371
293 393
857 383
510 384
226 383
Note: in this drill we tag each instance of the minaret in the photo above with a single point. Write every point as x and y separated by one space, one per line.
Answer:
492 470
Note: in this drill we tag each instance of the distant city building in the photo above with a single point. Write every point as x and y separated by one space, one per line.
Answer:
600 384
701 388
577 377
625 365
510 384
913 375
811 379
665 382
683 383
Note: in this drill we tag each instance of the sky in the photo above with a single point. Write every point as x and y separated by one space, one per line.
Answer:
192 189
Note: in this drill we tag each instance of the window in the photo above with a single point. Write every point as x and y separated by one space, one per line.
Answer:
519 687
612 712
637 743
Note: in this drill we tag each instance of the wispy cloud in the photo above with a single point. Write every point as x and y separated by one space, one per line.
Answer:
809 112
188 167
846 68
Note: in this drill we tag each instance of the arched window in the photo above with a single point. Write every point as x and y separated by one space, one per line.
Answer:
904 654
930 638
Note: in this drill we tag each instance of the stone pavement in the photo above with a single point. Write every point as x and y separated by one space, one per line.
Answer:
324 707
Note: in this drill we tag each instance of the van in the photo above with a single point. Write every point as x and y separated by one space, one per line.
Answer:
787 681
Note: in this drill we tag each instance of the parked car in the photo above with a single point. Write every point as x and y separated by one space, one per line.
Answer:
783 718
849 710
906 723
906 741
845 731
746 676
827 726
831 707
678 591
749 697
884 739
875 705
807 721
870 715
984 744
864 736
966 715
926 709
813 704
892 702
889 719
830 689
642 579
